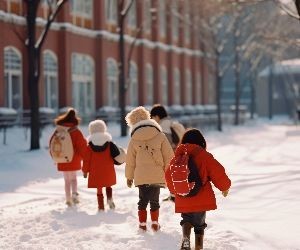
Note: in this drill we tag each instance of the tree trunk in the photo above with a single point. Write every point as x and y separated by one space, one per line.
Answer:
237 81
122 89
218 92
33 74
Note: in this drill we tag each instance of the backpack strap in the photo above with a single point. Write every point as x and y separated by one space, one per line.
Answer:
70 130
141 126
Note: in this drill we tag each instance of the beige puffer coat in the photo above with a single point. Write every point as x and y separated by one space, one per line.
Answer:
148 155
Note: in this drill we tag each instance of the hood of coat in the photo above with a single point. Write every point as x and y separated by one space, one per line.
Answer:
165 124
145 130
99 139
192 149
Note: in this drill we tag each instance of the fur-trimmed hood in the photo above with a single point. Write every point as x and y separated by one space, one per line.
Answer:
166 124
145 129
99 139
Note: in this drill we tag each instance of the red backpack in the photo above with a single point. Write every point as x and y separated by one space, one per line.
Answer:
184 176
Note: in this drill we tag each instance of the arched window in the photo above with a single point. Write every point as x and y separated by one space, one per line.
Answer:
149 84
164 83
50 80
13 78
133 84
83 84
188 89
177 90
112 82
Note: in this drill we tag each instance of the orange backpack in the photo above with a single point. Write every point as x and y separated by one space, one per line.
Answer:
61 146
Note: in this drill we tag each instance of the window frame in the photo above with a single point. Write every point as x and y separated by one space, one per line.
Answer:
10 72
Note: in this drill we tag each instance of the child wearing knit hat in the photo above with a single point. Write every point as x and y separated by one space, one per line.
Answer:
98 163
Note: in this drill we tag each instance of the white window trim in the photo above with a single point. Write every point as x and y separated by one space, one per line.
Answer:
189 87
132 16
134 92
49 74
112 17
177 90
112 62
162 18
175 20
84 78
16 72
164 84
149 83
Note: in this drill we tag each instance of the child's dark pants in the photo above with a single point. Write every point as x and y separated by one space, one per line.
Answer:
148 193
196 219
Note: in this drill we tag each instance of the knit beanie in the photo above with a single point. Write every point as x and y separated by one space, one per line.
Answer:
97 126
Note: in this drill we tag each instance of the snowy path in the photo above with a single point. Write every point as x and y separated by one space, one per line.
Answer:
261 211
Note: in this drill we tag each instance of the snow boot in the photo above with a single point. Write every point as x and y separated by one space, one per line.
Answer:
100 202
154 218
186 234
110 201
69 203
143 219
75 198
199 241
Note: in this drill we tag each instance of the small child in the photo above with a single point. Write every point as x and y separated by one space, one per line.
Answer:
69 122
193 209
98 163
148 155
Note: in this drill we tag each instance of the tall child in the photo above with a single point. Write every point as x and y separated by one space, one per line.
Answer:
148 155
69 122
98 163
193 209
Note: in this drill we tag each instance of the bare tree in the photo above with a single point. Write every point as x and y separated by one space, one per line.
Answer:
34 45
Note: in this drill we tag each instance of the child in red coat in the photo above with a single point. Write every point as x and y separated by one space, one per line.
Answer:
193 209
98 163
69 121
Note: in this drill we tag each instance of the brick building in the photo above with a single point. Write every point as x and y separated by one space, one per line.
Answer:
79 63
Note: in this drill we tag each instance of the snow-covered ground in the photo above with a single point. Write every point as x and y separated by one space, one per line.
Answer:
261 212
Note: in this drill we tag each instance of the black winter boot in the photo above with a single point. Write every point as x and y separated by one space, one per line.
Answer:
186 233
100 202
199 241
110 200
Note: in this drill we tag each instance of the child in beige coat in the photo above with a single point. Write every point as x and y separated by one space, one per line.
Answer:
148 155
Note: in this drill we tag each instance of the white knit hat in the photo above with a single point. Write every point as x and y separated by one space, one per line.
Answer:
97 126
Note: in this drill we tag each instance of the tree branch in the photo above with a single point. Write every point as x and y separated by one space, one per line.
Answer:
50 19
127 8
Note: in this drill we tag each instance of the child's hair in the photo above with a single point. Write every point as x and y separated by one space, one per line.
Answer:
194 136
158 110
68 117
136 115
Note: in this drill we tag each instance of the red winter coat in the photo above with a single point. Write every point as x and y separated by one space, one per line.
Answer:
79 144
210 170
98 161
